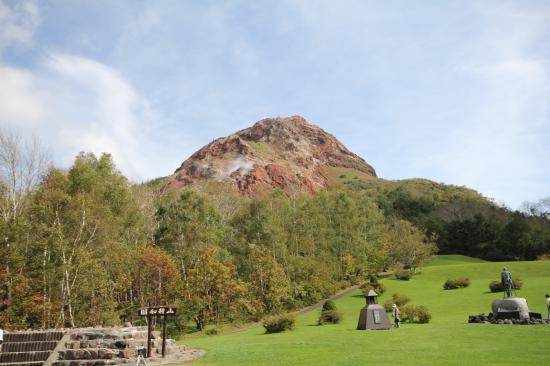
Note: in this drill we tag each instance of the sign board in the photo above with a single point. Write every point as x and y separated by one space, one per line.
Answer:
158 310
376 314
150 312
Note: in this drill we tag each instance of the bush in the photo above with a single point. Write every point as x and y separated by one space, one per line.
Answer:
455 283
373 284
329 305
396 299
496 286
423 314
213 331
329 317
415 314
279 323
403 275
329 314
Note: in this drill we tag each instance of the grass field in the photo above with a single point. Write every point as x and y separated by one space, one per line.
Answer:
447 340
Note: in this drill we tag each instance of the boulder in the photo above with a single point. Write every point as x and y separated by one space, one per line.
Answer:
511 305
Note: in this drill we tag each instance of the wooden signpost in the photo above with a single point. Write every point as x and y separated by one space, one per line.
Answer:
156 311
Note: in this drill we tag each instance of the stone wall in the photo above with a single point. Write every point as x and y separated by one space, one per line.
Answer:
107 346
87 347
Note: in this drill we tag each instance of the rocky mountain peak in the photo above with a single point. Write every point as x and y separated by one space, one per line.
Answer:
288 153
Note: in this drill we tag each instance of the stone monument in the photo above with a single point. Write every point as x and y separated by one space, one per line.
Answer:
373 316
511 307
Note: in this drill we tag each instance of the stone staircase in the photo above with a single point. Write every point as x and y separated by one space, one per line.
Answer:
88 347
28 348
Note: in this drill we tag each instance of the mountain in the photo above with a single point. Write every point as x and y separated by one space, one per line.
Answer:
287 153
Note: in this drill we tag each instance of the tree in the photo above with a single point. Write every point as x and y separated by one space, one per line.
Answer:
267 280
83 222
22 163
541 208
157 277
408 245
214 291
186 227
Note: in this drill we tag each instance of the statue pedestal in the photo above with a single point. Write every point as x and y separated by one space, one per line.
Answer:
511 308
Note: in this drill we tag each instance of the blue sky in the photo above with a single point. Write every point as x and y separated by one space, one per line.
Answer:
453 91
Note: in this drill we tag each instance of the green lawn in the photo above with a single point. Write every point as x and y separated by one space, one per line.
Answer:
447 340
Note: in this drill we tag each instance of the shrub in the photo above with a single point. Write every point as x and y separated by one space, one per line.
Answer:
329 305
403 275
396 299
279 323
407 314
378 287
517 283
329 314
415 314
455 283
329 317
213 331
423 314
496 286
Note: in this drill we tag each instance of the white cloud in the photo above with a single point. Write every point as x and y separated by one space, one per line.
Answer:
18 23
107 114
495 148
19 101
78 104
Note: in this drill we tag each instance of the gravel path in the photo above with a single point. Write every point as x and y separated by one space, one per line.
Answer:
305 310
339 295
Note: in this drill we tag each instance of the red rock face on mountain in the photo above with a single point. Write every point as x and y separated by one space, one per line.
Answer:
287 153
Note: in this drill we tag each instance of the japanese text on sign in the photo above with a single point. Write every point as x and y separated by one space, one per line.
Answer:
162 310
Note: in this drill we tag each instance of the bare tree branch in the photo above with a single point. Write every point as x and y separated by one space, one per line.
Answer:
22 164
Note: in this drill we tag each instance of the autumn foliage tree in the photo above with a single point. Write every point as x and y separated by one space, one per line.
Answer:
157 278
214 291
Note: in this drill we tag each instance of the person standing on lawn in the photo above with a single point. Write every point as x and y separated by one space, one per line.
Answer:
395 313
548 306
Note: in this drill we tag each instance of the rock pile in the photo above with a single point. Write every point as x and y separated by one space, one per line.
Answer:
490 319
113 346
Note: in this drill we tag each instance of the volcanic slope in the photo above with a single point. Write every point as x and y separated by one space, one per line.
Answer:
287 153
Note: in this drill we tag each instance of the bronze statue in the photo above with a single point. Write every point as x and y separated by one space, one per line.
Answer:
506 280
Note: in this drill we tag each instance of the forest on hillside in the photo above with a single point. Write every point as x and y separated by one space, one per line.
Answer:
84 246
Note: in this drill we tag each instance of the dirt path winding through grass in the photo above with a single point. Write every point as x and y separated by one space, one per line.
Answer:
305 310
